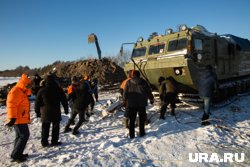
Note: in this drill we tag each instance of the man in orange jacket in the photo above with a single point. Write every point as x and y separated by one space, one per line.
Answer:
72 87
122 86
18 115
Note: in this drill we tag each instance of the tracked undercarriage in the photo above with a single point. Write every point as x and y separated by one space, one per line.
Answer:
227 90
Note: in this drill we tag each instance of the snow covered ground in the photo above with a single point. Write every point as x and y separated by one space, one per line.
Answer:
6 80
169 142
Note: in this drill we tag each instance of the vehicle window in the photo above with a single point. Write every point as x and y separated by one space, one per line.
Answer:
139 52
156 49
197 44
177 44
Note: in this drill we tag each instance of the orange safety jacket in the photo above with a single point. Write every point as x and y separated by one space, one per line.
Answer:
18 105
71 88
123 84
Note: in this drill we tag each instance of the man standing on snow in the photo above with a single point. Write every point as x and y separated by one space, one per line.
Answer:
18 115
135 98
48 100
168 94
207 86
122 87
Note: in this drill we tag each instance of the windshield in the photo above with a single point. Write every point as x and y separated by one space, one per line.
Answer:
177 44
139 52
156 49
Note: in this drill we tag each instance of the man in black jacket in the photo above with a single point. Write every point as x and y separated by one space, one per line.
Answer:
47 106
136 94
81 99
36 84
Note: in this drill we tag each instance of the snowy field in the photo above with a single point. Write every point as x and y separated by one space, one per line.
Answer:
6 80
169 142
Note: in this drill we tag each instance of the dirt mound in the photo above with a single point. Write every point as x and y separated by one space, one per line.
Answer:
106 71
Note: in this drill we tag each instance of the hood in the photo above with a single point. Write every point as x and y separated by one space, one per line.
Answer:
136 80
50 80
23 81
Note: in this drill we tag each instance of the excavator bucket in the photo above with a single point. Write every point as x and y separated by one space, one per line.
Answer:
91 38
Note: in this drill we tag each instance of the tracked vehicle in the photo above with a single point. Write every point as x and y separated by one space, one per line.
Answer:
186 52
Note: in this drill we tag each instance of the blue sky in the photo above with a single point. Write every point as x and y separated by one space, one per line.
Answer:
39 32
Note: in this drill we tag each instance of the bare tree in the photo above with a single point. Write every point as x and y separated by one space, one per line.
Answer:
121 60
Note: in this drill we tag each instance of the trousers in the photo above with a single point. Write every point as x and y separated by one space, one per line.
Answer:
55 132
22 136
132 112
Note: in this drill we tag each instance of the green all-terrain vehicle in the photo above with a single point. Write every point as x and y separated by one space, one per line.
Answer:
185 53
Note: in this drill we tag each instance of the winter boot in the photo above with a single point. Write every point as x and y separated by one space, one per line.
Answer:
204 119
126 123
73 122
162 116
147 121
67 129
75 132
19 160
173 112
162 113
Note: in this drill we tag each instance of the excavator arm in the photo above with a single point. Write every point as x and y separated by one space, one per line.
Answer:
92 38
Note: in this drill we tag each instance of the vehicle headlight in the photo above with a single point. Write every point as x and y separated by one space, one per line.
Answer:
199 56
177 71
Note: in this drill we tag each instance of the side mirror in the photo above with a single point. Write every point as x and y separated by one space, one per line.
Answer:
121 50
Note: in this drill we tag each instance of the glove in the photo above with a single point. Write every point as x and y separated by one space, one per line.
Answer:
11 122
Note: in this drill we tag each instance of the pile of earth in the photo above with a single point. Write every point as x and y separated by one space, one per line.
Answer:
106 71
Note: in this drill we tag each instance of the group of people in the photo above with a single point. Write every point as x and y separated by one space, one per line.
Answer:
136 91
49 96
